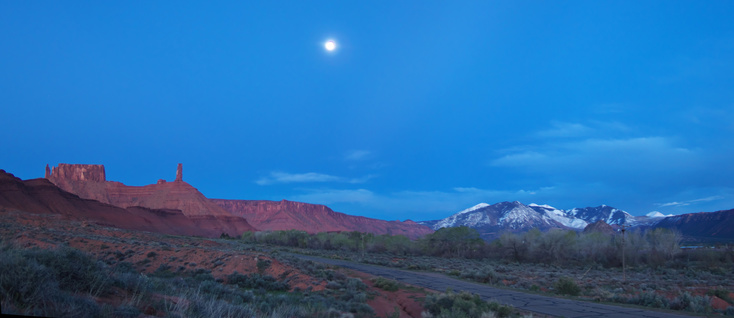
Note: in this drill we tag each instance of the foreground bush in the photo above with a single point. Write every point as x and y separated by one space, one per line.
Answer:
60 283
463 304
567 286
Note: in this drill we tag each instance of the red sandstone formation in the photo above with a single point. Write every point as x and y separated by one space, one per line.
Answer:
313 218
42 196
88 181
179 173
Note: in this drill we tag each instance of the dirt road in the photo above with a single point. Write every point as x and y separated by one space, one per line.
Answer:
535 303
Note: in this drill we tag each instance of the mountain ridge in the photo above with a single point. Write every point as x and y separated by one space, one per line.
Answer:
492 220
313 218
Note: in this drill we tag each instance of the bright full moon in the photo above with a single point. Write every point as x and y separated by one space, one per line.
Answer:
330 45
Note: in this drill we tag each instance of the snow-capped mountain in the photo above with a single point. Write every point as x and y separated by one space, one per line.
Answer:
490 220
603 212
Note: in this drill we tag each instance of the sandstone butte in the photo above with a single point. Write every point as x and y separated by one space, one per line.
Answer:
89 182
42 196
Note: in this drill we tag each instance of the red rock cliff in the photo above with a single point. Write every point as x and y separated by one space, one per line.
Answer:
42 196
313 218
88 181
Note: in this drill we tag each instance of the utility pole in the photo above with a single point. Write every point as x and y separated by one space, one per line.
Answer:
624 271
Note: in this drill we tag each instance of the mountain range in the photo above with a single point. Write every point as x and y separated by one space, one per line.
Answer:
81 192
492 220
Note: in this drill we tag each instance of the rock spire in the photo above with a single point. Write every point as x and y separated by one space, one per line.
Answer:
179 173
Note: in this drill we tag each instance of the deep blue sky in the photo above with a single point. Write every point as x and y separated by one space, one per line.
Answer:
424 109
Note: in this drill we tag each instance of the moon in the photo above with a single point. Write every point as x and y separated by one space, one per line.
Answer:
330 45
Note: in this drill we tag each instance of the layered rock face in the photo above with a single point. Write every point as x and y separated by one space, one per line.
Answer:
42 196
314 218
88 181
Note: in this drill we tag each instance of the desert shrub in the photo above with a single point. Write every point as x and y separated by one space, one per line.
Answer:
125 267
485 275
355 284
567 286
201 275
23 281
38 282
721 293
649 299
163 271
262 265
70 305
462 305
697 304
385 284
333 285
256 281
75 270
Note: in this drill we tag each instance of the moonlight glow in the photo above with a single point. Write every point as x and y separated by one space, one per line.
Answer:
330 45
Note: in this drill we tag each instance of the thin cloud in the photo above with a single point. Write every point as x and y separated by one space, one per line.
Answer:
357 155
689 202
284 177
331 196
423 205
278 177
560 130
602 156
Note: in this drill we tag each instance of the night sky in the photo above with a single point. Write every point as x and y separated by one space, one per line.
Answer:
423 109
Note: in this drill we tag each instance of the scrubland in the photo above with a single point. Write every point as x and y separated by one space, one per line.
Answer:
644 268
53 267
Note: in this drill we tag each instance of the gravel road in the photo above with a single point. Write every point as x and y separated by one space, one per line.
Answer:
534 303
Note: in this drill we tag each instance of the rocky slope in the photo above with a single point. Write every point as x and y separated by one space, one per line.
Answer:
88 181
599 227
702 226
313 218
42 196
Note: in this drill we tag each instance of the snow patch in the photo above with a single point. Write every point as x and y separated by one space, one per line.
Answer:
657 214
474 208
542 206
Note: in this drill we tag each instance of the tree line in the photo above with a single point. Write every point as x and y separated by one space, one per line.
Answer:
637 247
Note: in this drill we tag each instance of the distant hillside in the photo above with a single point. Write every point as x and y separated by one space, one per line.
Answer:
702 226
313 218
